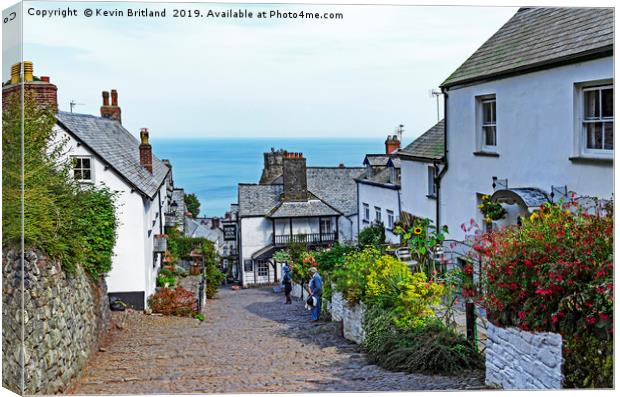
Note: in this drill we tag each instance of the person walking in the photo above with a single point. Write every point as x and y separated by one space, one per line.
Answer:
315 289
287 281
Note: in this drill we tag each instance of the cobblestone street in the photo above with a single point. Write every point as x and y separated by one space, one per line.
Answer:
249 342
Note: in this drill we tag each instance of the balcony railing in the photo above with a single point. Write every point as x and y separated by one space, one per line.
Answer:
310 238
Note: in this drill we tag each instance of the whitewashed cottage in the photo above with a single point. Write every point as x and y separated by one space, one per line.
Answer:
379 190
103 152
294 203
529 117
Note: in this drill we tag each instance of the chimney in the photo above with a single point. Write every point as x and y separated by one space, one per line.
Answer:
294 175
272 167
146 153
112 111
41 90
391 144
215 223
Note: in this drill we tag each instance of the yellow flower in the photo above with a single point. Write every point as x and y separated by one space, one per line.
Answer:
417 230
534 216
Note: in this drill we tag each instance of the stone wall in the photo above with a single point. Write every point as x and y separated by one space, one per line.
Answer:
63 320
352 317
517 359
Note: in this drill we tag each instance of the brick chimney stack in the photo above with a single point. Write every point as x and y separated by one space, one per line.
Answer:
110 111
43 92
294 176
146 152
392 143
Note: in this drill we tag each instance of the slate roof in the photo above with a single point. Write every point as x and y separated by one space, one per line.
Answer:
376 160
258 200
429 146
333 186
117 147
539 36
202 228
315 207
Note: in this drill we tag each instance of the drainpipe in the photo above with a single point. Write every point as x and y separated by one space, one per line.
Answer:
440 175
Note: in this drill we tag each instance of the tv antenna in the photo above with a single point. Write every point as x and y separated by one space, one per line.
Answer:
73 104
435 93
399 132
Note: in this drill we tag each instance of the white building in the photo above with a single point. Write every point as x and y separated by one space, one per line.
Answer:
295 204
421 162
529 114
378 190
104 152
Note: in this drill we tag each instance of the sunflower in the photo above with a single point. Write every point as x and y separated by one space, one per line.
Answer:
534 216
417 230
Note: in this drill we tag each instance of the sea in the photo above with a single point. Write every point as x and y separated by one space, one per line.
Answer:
212 168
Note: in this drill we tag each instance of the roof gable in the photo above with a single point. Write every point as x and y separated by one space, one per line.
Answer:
116 146
539 36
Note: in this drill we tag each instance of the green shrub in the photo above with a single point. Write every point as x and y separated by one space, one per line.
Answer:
166 273
351 278
588 362
431 347
70 223
373 235
163 280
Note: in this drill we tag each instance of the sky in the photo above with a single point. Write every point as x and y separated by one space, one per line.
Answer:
224 78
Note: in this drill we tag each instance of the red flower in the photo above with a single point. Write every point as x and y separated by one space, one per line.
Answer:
603 317
591 320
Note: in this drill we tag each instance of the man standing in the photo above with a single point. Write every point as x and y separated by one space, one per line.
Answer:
287 280
315 289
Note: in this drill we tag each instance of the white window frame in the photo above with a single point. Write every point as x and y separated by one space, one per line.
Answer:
82 169
432 188
481 124
261 265
390 219
327 222
583 122
377 214
366 208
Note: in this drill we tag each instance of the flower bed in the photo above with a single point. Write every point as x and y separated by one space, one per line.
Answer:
555 274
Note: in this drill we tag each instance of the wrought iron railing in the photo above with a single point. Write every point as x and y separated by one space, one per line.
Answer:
310 238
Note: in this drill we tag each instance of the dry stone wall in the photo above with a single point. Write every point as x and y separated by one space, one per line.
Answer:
63 320
517 359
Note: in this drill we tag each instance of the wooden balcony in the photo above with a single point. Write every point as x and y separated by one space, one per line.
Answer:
310 239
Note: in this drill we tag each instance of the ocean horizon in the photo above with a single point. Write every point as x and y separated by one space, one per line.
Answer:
213 167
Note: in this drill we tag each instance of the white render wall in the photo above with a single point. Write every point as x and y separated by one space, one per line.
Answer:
536 124
384 198
414 190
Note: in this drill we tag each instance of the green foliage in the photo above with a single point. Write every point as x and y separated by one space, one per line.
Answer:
166 273
491 211
431 347
588 362
373 235
423 239
163 280
192 204
199 317
74 225
351 278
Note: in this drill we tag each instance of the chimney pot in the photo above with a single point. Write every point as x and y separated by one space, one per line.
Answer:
16 70
106 98
391 144
45 79
112 112
44 94
28 71
114 98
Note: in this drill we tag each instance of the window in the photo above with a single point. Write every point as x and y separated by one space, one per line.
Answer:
432 188
377 214
248 265
326 226
390 219
488 128
82 169
366 212
263 268
598 118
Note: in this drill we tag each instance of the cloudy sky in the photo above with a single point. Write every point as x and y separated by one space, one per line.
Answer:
182 77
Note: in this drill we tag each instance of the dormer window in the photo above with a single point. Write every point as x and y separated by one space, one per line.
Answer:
393 175
368 171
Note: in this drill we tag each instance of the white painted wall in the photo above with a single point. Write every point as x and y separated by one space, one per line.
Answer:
536 124
384 198
414 189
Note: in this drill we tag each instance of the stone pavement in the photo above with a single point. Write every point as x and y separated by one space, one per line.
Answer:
249 342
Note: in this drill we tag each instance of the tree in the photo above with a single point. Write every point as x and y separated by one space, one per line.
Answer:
192 204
